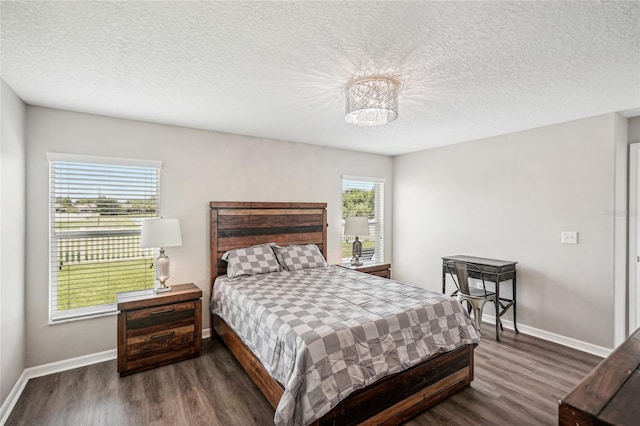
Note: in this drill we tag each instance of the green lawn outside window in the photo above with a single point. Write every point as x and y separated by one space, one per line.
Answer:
75 289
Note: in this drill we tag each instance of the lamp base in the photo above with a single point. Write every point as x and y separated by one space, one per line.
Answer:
356 252
162 272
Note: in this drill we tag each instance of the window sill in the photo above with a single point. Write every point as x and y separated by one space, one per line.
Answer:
84 317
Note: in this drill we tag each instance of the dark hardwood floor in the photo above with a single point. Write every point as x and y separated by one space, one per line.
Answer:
518 381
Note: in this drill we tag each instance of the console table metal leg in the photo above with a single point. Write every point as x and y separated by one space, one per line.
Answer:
497 308
515 327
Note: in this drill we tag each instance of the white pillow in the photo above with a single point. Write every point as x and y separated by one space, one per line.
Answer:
253 260
295 258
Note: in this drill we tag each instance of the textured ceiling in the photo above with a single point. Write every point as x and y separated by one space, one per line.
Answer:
278 69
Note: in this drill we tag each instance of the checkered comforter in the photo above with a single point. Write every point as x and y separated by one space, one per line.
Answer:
326 332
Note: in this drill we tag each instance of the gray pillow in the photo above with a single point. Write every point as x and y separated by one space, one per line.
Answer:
253 260
295 258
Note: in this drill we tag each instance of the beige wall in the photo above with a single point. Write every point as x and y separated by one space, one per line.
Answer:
199 166
530 186
509 197
12 241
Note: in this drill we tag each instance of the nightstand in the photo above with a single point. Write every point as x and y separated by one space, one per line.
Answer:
158 329
379 269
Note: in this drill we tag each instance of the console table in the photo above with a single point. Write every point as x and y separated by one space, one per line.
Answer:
493 270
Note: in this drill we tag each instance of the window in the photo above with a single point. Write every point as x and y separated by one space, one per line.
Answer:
364 196
96 210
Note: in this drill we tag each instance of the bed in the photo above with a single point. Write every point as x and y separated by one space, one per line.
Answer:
391 399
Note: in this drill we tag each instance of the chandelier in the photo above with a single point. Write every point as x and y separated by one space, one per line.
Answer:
372 101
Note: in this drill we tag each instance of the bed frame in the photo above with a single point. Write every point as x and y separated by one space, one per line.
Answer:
389 401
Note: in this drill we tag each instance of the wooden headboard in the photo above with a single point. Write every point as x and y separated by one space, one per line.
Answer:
243 224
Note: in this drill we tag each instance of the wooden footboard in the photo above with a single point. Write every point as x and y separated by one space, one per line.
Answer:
391 400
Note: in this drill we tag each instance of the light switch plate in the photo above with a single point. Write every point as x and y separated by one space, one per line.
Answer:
567 237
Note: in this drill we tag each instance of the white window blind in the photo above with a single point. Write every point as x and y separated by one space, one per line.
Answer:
364 196
97 206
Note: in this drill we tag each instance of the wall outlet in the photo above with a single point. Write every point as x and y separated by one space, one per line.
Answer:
569 237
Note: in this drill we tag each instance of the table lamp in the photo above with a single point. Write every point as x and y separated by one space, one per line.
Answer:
161 233
358 226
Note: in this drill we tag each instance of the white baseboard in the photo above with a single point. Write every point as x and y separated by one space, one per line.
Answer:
552 337
206 333
13 397
70 364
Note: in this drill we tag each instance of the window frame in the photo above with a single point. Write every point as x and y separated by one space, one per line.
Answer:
378 211
98 310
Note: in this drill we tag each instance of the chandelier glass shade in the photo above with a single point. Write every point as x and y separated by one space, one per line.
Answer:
372 101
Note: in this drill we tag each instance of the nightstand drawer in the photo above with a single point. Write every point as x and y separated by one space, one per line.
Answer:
378 269
160 341
384 274
156 359
148 320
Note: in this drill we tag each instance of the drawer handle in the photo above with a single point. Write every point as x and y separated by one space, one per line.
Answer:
161 336
166 311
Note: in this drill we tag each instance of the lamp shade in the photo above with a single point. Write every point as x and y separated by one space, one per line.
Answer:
160 233
356 225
